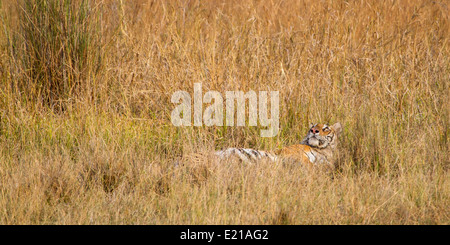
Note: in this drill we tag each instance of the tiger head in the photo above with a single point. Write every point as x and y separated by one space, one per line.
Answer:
323 136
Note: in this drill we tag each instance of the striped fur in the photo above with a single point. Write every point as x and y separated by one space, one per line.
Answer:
246 155
317 148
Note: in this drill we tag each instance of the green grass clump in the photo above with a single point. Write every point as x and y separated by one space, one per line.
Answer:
54 49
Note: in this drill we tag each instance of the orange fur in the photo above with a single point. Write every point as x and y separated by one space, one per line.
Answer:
297 153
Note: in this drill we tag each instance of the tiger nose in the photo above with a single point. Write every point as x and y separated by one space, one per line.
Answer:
314 131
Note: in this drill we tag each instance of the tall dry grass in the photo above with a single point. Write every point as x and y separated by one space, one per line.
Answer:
85 132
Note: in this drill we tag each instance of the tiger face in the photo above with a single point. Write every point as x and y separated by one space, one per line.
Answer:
322 136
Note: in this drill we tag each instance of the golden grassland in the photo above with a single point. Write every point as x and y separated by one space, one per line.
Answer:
85 131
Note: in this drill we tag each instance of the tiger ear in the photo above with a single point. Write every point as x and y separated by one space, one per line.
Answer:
337 128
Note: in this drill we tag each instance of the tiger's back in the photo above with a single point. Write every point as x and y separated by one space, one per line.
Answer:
245 154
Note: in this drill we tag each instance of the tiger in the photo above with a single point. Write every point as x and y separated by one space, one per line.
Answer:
318 148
